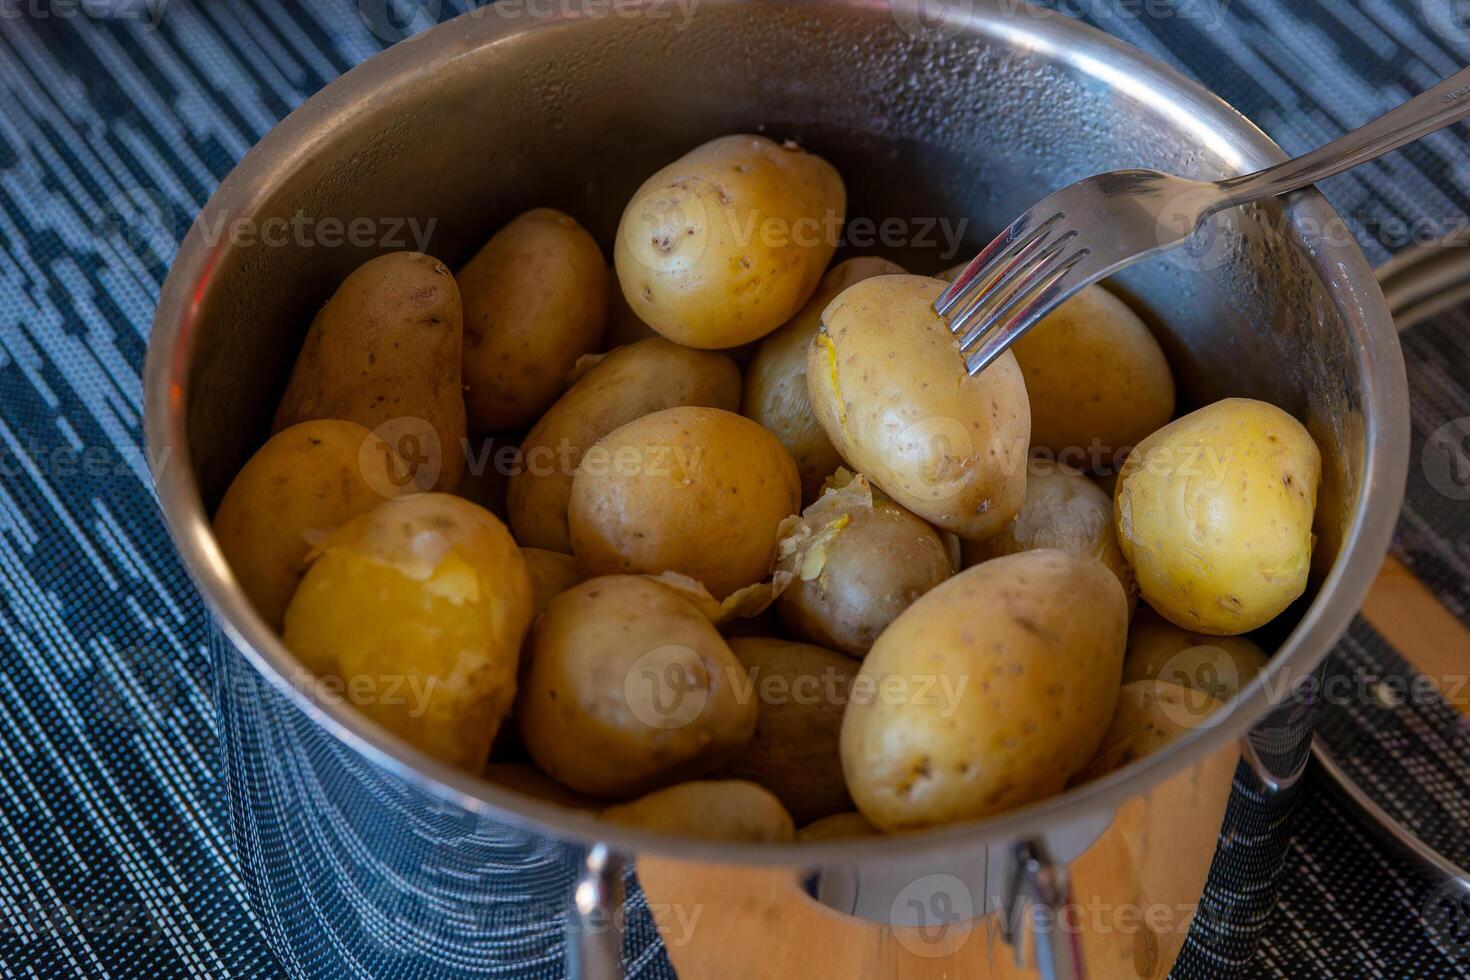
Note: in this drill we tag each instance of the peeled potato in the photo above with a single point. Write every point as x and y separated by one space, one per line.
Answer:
775 382
629 688
726 243
416 609
987 693
1063 510
1149 715
890 388
535 299
697 491
1214 514
715 809
1218 665
1098 379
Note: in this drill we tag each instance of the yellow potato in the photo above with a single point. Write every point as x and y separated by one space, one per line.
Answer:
1149 715
1214 514
630 687
627 384
532 782
535 299
775 382
1098 379
1218 665
889 386
300 485
417 608
987 693
715 809
838 826
552 573
699 491
868 559
802 691
726 243
1063 510
623 325
384 353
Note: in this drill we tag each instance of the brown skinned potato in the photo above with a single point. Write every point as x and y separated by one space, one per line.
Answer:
1217 665
385 352
698 491
838 826
1149 715
728 809
552 573
630 688
535 299
627 384
775 382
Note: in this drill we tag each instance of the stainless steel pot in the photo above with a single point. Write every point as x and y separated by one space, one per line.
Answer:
965 113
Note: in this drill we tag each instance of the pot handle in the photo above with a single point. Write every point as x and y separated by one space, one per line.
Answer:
594 929
1037 896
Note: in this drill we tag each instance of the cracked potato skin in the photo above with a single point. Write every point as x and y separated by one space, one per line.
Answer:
1000 684
1214 514
726 243
888 384
386 346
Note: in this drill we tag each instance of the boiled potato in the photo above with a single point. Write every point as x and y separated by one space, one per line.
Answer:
726 243
838 826
552 573
699 491
802 691
300 485
627 384
1098 379
623 325
535 299
890 388
630 687
384 353
1063 510
1149 715
1218 665
868 559
775 382
715 809
534 783
1214 514
987 693
417 608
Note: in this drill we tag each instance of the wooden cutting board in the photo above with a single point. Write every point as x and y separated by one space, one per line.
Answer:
1136 887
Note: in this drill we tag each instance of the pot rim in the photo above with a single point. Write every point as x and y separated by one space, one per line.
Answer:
293 141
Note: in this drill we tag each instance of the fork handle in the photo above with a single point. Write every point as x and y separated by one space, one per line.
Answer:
1430 110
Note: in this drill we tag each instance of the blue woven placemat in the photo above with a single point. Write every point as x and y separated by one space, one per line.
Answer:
115 857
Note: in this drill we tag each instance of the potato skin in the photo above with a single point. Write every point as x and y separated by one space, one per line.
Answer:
630 688
1218 665
423 601
729 809
889 386
775 381
802 691
1149 715
1214 514
726 243
386 347
838 826
535 299
303 483
699 491
532 782
629 383
1097 378
1027 651
551 572
1063 510
875 567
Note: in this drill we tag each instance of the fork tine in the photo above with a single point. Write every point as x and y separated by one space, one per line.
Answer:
1034 304
1017 276
1004 249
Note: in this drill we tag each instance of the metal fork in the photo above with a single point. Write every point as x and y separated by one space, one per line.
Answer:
1099 225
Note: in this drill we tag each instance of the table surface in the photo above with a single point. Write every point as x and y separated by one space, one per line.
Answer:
115 854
